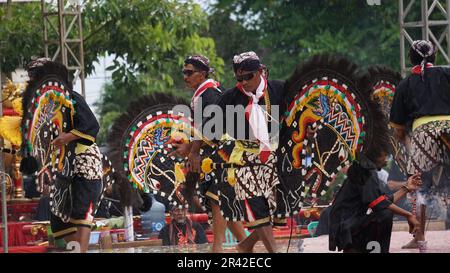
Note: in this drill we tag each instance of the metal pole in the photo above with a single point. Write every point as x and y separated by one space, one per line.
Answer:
425 25
81 54
3 181
43 11
448 28
402 39
128 224
62 33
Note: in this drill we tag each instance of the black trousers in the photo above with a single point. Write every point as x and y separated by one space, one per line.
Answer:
375 230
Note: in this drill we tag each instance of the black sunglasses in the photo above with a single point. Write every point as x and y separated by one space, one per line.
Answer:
245 77
188 72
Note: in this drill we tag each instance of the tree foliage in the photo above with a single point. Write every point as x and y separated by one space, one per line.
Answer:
21 35
290 31
149 40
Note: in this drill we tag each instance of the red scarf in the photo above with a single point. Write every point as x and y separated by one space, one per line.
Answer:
182 238
418 69
202 88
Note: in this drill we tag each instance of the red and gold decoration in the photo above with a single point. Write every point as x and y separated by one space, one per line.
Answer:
384 81
10 132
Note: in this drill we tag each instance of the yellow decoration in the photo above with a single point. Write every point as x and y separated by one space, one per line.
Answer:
207 165
17 106
11 91
57 118
81 148
231 176
178 136
179 174
238 153
10 129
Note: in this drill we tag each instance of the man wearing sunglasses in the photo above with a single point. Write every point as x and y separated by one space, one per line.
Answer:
196 73
255 191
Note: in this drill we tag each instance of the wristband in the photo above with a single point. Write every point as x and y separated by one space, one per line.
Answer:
406 188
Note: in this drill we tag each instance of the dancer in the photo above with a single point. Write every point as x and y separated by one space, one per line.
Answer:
422 105
85 183
255 185
362 213
196 74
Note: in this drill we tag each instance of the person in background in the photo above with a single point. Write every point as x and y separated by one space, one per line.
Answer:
181 230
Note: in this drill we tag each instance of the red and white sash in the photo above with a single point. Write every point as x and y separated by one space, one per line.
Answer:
254 113
210 83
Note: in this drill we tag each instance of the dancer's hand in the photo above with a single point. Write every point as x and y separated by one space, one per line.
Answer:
414 224
63 139
414 182
181 149
194 161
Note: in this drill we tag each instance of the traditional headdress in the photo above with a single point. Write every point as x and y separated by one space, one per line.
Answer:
37 63
200 62
247 61
424 49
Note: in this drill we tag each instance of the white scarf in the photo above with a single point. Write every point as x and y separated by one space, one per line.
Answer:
256 116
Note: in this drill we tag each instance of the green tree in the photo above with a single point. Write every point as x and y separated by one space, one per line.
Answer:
20 34
290 31
231 38
148 38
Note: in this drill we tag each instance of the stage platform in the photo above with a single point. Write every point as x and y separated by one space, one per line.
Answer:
438 242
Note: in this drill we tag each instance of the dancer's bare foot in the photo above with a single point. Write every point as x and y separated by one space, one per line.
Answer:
241 249
411 245
216 249
419 236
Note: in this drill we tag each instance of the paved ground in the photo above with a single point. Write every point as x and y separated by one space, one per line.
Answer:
438 242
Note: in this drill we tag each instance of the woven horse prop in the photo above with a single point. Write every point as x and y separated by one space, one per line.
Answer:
329 120
384 81
140 141
49 110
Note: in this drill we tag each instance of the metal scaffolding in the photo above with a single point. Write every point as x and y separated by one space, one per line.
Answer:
4 225
432 23
63 36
